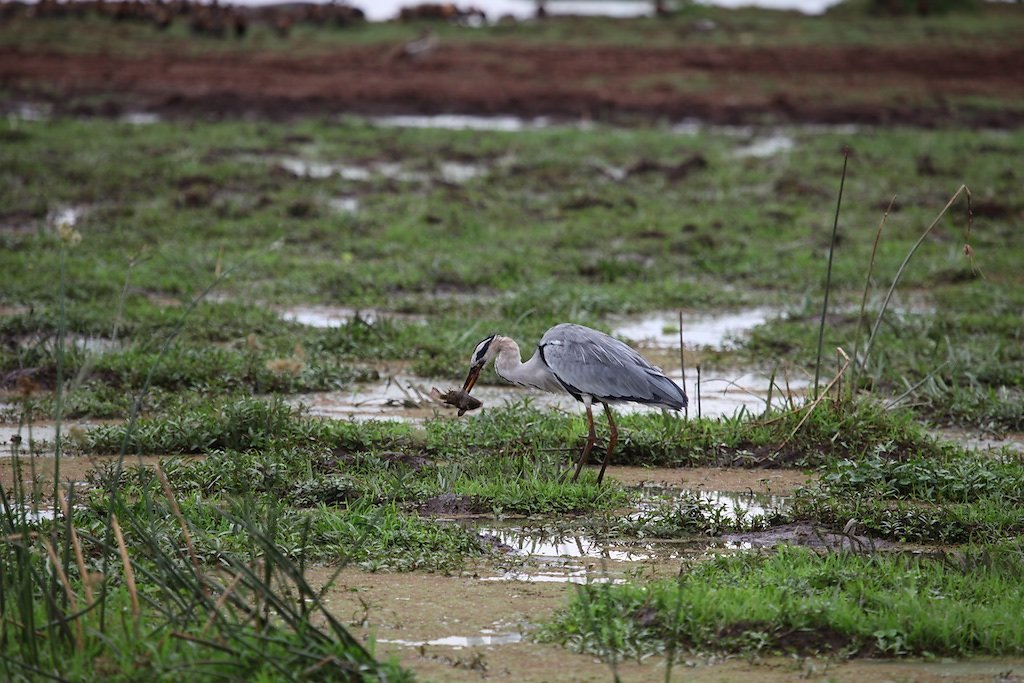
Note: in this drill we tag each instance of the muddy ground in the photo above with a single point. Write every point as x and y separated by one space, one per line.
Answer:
780 84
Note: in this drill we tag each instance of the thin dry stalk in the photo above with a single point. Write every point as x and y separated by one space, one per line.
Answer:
72 598
682 363
221 601
129 574
903 266
816 402
202 641
169 493
867 287
698 391
79 556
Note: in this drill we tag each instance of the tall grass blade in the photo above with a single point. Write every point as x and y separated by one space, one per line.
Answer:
828 273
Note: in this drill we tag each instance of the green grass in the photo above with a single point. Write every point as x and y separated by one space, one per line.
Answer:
796 601
527 229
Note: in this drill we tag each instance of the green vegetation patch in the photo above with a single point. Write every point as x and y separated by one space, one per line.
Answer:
794 600
956 499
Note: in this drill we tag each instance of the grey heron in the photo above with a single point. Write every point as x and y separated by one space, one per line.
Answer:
588 365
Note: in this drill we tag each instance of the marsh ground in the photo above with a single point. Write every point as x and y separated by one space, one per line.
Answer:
263 305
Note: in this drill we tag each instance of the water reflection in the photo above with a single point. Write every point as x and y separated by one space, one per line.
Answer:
485 638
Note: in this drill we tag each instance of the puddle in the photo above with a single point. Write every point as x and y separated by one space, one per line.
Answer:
73 342
41 439
766 147
460 641
456 172
661 330
983 443
400 398
728 506
725 396
140 118
551 546
447 171
30 111
22 514
336 316
343 204
407 398
580 576
463 122
495 10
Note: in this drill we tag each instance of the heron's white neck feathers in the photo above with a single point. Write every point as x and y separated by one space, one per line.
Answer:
509 366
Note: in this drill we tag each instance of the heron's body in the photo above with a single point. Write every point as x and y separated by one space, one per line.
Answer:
587 364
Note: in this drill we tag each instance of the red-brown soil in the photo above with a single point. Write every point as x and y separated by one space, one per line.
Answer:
918 85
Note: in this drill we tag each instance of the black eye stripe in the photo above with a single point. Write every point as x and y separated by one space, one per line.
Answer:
484 345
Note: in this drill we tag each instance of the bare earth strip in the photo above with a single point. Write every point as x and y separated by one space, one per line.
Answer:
827 84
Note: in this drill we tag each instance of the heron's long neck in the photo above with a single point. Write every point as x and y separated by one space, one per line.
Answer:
533 373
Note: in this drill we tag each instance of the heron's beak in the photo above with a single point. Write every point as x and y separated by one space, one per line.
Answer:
474 375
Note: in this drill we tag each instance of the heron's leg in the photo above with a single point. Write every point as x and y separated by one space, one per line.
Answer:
591 438
613 439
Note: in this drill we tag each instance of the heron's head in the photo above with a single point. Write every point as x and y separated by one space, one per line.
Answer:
484 352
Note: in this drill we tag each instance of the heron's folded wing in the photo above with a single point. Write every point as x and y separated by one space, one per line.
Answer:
586 361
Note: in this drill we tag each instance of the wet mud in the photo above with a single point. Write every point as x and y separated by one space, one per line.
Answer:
458 628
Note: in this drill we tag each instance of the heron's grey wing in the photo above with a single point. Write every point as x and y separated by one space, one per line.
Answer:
586 361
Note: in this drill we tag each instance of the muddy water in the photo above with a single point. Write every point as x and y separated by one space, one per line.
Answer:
984 443
72 469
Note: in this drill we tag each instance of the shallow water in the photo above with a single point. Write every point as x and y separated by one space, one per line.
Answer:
550 545
765 147
661 329
337 316
729 506
984 443
407 398
41 439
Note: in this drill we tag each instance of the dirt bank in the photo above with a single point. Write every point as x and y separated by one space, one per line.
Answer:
799 84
